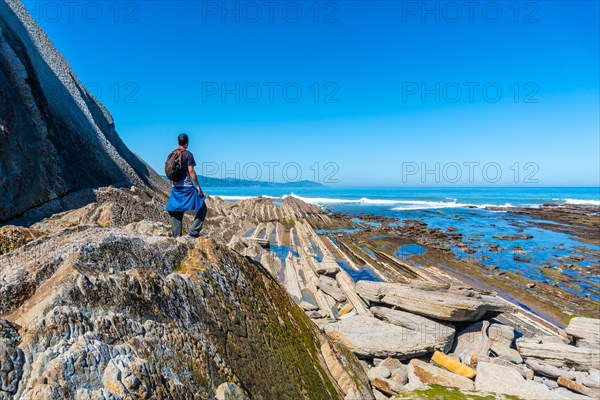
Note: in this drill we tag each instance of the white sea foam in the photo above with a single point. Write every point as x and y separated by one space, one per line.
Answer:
506 205
583 202
401 205
425 205
363 200
321 200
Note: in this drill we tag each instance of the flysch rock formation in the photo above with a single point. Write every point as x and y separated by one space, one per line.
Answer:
98 302
120 310
49 265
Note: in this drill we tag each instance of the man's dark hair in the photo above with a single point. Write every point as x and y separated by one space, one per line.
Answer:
183 139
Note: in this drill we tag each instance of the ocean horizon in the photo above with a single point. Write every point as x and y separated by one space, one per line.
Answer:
352 199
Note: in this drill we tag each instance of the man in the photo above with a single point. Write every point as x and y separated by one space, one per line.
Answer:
184 196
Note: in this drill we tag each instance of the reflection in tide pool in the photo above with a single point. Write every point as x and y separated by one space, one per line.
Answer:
409 250
282 252
363 273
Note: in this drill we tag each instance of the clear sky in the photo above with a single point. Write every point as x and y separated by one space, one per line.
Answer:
381 89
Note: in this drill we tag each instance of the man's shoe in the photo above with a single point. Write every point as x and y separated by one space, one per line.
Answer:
194 235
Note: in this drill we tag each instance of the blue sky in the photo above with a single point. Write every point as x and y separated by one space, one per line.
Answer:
386 86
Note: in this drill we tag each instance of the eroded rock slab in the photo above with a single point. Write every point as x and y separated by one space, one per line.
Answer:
107 312
559 355
443 302
370 337
472 342
348 374
586 329
439 334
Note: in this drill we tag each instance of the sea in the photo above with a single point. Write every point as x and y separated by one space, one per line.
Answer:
386 200
465 209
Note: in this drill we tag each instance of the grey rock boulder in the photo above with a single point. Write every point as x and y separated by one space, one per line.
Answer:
439 334
548 370
592 380
506 380
501 341
379 371
369 337
585 329
472 342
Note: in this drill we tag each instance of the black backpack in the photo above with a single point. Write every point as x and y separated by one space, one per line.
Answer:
174 168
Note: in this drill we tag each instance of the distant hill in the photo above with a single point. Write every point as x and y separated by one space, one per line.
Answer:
232 182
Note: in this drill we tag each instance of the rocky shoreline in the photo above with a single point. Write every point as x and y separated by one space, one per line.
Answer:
367 317
111 284
581 221
547 297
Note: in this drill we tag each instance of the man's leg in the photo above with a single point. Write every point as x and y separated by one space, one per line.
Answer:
176 222
198 221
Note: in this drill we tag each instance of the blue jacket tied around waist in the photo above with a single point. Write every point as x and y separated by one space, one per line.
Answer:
184 199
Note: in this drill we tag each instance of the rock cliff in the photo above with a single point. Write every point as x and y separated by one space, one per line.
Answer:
55 138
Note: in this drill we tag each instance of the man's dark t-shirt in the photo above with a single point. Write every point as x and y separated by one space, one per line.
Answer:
187 159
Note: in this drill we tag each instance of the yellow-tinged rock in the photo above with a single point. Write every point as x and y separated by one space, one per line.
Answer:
346 309
452 365
578 387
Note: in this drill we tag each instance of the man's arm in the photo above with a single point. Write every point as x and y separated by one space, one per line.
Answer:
194 177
